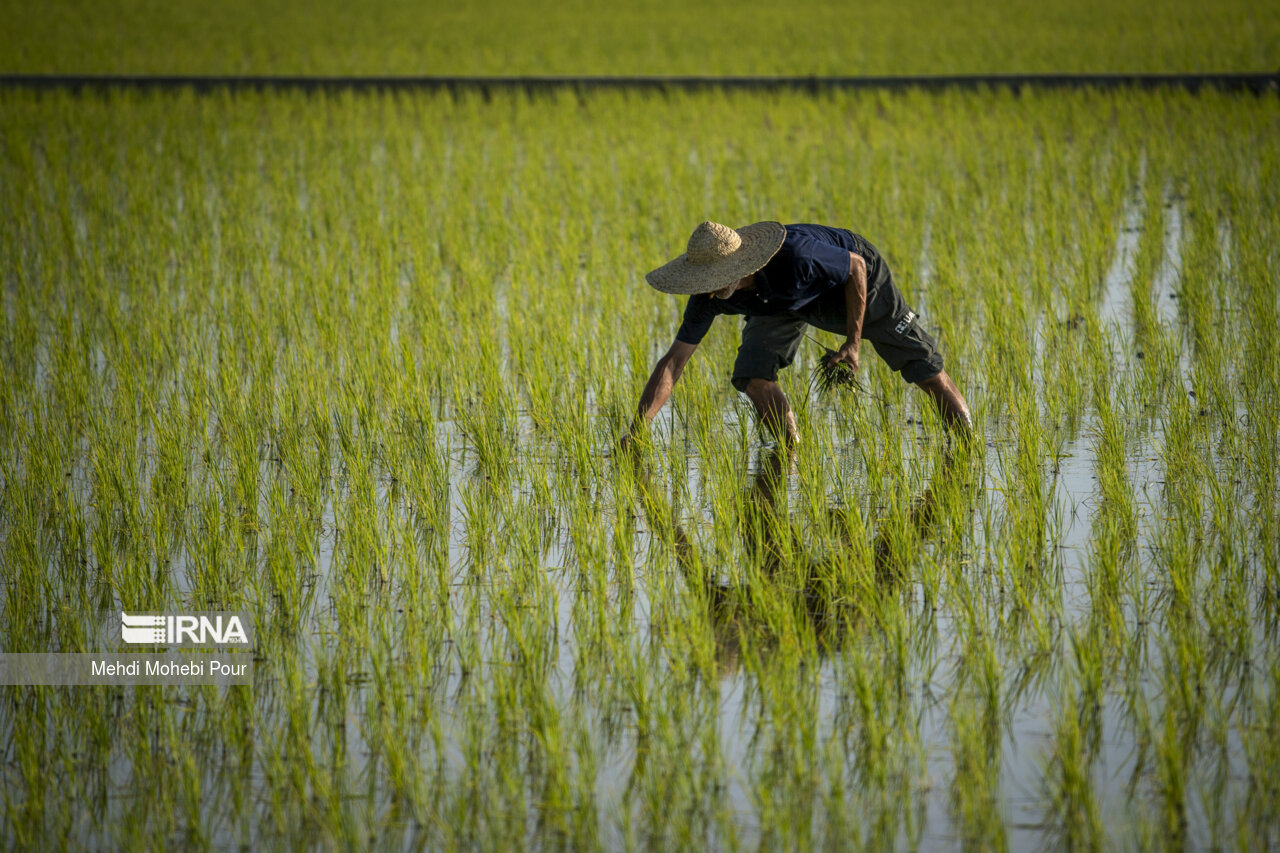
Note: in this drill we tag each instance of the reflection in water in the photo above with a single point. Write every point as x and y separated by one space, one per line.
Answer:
819 587
890 566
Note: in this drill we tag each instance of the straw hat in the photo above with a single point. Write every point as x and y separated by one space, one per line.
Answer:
718 256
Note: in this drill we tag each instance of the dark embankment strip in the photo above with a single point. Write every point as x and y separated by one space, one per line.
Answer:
1257 83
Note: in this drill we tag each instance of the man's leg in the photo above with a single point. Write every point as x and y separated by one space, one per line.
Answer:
774 410
951 404
769 344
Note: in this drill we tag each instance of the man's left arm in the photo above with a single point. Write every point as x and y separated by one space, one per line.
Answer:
855 297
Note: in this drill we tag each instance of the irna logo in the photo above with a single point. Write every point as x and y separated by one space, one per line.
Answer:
218 629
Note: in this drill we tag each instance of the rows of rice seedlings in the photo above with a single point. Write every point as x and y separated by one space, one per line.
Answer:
407 37
359 365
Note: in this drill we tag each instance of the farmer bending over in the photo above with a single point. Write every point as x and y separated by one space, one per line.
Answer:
784 279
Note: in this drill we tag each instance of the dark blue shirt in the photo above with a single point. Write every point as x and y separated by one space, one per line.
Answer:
813 260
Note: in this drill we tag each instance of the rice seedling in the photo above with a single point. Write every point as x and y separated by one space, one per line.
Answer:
830 376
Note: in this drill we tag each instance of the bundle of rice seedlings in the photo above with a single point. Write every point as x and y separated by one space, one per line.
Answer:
829 377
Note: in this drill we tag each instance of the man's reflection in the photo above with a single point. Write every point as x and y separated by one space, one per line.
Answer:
827 589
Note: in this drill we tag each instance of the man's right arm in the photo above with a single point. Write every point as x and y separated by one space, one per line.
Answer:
658 389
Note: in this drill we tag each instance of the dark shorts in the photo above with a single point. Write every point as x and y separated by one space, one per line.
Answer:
770 342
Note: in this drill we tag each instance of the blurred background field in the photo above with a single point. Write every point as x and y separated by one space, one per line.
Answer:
387 37
358 364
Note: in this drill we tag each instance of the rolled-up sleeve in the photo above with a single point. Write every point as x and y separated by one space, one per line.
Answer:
698 315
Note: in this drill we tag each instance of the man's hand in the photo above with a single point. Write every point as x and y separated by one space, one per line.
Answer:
847 354
636 438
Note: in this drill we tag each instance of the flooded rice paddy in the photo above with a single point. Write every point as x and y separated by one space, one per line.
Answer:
360 366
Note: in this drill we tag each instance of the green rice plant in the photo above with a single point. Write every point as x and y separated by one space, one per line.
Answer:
828 377
1074 806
